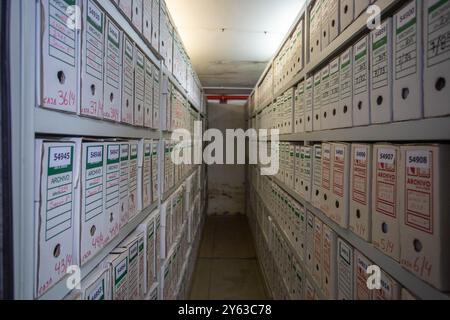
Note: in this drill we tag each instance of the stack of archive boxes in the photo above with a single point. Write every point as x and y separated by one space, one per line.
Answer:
90 194
388 195
386 76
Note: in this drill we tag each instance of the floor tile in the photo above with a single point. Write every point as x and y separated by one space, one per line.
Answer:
236 279
207 241
201 280
227 268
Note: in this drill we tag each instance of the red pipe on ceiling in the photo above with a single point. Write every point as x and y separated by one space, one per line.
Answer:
226 98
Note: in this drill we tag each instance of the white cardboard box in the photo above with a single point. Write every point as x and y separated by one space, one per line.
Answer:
144 192
124 183
327 178
385 200
126 7
316 196
309 242
361 191
128 81
117 264
59 61
340 190
324 23
309 99
297 169
361 6
333 19
291 162
381 73
331 111
345 270
361 290
315 28
329 266
306 156
147 20
408 63
55 200
112 194
97 285
345 110
155 157
139 88
297 292
137 14
424 222
310 292
155 24
325 98
142 263
113 73
437 58
92 60
133 179
131 246
91 213
318 251
346 13
156 98
361 81
148 99
300 230
390 288
299 110
317 102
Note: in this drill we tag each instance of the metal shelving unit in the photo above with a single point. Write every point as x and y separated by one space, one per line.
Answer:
172 190
354 31
422 130
293 250
49 122
404 277
415 130
60 290
29 121
113 11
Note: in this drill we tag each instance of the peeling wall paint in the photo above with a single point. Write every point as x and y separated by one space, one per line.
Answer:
226 183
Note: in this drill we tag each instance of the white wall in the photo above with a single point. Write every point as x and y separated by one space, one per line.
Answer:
226 183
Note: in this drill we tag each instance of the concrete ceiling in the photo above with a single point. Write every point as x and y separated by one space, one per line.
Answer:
231 41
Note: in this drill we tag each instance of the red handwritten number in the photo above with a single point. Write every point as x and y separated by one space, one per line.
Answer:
93 107
66 98
422 266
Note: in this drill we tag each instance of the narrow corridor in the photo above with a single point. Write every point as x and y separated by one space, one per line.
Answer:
227 267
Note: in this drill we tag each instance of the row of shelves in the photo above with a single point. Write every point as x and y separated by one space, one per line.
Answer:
114 9
317 290
60 290
408 280
347 36
433 129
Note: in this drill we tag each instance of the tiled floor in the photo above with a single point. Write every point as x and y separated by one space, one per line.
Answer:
227 268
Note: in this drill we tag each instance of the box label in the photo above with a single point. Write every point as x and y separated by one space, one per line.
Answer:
361 68
419 190
406 42
93 183
360 175
326 166
386 182
338 171
98 292
380 58
438 29
58 213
